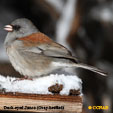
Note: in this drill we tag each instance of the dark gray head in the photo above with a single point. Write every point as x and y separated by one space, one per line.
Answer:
19 28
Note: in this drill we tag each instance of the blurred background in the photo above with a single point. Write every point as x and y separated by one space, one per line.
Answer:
83 26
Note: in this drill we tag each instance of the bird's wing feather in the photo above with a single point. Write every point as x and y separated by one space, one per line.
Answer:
41 44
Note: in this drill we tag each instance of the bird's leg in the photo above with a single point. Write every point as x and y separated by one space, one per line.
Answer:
23 78
26 78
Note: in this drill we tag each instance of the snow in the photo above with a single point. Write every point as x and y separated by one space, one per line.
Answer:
40 85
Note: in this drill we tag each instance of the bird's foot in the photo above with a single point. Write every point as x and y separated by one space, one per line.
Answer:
23 78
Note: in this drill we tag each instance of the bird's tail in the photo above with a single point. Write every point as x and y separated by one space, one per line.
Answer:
91 68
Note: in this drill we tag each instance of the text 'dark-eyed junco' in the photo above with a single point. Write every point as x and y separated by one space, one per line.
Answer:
34 54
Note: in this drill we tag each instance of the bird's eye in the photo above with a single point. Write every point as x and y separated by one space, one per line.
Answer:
16 27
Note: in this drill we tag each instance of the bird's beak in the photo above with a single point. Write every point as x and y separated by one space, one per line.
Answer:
8 28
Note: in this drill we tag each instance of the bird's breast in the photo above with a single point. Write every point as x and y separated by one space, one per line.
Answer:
28 64
15 59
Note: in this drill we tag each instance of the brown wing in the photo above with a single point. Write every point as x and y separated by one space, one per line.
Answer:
35 39
44 45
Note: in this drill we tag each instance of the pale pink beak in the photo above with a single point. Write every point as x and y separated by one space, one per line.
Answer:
8 28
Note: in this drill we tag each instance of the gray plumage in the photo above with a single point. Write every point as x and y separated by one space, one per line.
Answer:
38 55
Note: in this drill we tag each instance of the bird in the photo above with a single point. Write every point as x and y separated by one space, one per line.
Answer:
34 54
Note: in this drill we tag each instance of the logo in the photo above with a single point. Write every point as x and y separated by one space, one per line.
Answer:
98 107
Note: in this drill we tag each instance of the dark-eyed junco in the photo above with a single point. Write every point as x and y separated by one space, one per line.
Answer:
34 54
